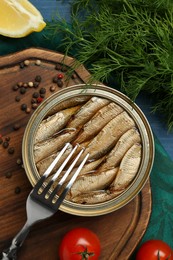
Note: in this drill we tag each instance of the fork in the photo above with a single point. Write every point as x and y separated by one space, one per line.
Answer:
43 204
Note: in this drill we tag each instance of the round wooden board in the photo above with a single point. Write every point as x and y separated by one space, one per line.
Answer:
119 232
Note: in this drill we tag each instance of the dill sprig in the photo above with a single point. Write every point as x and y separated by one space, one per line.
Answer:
130 41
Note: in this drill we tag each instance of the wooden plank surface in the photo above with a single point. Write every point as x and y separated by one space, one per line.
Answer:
119 232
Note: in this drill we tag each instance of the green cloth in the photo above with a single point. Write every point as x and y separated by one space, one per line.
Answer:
160 225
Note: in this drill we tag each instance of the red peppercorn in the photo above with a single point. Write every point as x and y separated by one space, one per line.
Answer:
60 76
39 99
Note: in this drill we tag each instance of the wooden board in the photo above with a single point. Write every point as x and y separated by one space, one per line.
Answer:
119 232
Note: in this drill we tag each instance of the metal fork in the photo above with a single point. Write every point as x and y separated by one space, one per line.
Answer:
41 205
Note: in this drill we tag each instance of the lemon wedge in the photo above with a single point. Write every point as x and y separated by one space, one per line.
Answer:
19 18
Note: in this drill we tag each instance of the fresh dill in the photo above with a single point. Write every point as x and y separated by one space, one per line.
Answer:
130 41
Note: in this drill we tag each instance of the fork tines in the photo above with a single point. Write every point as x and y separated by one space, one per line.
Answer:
43 196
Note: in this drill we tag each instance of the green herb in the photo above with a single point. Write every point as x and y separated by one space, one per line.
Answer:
129 41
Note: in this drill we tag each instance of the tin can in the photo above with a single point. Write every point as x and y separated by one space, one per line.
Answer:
136 114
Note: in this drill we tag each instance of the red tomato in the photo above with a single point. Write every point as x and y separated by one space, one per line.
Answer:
155 250
79 244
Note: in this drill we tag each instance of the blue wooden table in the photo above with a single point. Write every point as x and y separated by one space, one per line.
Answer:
48 8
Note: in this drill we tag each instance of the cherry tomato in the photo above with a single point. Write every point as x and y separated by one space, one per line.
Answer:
80 244
154 250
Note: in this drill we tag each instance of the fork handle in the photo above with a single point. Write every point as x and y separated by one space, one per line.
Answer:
11 252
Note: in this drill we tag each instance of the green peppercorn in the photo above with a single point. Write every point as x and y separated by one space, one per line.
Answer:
19 161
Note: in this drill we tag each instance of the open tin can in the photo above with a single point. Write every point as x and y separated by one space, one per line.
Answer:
136 114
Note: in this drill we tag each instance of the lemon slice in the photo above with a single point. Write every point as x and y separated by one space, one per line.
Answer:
19 18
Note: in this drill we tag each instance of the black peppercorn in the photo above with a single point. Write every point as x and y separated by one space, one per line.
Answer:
17 98
5 144
16 126
38 78
42 91
7 138
22 65
60 83
42 95
35 95
15 87
58 67
35 84
55 79
23 107
17 190
8 175
22 90
11 150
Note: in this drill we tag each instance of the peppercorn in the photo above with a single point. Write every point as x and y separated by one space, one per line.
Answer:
22 90
38 62
11 150
74 76
25 85
1 140
8 175
52 88
5 144
39 100
38 78
60 83
19 161
7 138
22 65
33 101
35 84
20 84
17 190
23 107
34 106
26 62
28 110
30 84
16 126
42 91
58 67
60 76
64 69
15 87
55 79
35 95
42 95
17 98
